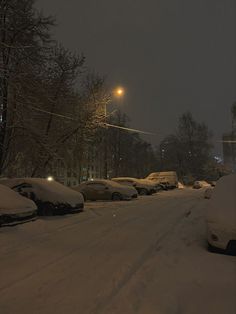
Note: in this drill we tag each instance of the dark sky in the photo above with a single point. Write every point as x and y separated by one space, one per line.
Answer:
170 55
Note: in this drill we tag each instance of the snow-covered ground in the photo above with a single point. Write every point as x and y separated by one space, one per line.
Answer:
144 256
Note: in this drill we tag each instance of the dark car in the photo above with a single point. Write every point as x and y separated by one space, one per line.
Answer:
105 190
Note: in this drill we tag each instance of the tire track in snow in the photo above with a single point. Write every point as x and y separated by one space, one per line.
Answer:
104 302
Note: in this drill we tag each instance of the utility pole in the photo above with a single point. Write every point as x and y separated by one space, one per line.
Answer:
105 135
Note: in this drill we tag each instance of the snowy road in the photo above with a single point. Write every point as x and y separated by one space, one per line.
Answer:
145 256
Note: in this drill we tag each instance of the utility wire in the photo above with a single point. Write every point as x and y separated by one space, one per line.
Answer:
106 124
128 129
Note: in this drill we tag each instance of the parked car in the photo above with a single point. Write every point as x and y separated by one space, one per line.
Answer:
51 198
200 184
168 179
180 185
105 190
221 216
208 192
15 209
143 187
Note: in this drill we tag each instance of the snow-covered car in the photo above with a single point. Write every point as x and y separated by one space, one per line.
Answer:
143 187
167 179
51 198
15 209
105 190
208 193
221 215
200 184
180 185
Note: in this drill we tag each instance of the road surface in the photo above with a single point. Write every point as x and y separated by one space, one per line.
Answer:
146 256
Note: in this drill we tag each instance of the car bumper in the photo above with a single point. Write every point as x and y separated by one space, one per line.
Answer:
219 237
15 219
51 209
63 210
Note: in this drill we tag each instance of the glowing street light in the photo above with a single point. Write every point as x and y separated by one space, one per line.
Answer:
119 92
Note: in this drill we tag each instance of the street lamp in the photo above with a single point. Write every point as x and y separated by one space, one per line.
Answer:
117 92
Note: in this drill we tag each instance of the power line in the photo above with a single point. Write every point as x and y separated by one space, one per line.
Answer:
128 129
106 124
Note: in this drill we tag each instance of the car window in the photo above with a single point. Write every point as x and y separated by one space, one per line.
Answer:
97 186
129 182
22 186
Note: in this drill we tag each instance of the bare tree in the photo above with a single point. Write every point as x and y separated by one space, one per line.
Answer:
23 36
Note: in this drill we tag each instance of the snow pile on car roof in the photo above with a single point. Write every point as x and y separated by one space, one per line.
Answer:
11 202
48 191
222 205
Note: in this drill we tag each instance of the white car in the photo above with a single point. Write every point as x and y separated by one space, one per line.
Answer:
221 215
143 186
51 198
168 179
15 209
105 190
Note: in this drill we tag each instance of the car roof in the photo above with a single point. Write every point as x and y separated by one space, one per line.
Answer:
125 178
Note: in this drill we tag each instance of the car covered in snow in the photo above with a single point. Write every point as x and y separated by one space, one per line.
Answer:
167 179
143 186
51 198
208 192
105 190
221 215
15 209
200 184
180 185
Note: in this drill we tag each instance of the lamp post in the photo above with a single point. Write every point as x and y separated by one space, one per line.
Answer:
118 92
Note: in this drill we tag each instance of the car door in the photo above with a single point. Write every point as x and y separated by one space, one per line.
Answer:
126 182
98 191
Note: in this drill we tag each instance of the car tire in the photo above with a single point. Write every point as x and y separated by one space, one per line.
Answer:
116 197
85 199
143 192
214 249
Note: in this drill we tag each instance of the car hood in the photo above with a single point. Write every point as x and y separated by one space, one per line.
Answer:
13 203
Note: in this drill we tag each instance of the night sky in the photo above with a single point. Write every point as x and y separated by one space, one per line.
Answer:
170 55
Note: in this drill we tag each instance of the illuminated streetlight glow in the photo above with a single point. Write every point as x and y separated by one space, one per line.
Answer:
119 91
50 178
